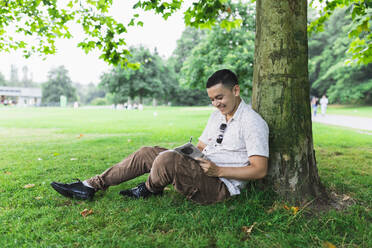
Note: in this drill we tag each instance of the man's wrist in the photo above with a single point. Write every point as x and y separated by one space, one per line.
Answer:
219 171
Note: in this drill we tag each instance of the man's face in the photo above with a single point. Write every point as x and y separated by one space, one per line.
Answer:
225 99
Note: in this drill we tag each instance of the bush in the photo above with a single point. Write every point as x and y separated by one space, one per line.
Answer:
99 101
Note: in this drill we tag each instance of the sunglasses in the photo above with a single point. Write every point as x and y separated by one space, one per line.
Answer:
222 130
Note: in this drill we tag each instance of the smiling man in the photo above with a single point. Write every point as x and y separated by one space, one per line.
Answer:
234 142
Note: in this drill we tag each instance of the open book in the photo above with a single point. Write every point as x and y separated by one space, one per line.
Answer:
189 150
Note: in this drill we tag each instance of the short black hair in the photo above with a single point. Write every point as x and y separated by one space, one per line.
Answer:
224 76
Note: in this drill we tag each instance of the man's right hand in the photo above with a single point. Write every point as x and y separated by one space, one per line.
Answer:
201 146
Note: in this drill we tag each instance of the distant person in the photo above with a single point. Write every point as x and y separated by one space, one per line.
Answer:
140 106
323 104
314 105
235 143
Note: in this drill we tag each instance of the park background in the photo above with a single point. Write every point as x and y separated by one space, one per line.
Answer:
41 145
178 76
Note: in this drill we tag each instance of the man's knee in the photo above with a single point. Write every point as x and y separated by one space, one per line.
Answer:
145 150
166 159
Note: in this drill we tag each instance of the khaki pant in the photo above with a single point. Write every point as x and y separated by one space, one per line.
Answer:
165 167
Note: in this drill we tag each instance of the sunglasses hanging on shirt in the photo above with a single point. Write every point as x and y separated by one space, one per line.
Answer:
222 131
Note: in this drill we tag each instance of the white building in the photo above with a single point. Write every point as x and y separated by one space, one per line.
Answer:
20 96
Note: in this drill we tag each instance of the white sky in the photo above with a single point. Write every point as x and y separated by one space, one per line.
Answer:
84 68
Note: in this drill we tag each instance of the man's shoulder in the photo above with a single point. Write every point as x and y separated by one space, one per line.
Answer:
251 118
249 113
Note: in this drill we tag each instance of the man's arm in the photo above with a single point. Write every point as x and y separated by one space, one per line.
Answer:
201 145
256 170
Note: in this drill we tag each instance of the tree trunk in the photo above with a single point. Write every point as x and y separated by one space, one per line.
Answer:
281 94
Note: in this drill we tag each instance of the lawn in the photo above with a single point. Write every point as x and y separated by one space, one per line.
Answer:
362 111
41 145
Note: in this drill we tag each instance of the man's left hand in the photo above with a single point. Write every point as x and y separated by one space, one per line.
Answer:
209 168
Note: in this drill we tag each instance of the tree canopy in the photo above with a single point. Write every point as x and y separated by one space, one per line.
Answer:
47 20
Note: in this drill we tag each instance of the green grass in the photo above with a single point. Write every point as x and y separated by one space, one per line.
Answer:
40 145
362 111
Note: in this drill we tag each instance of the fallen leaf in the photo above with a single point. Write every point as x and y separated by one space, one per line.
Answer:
270 210
27 186
248 230
286 207
7 173
80 136
86 212
328 245
294 210
274 207
346 197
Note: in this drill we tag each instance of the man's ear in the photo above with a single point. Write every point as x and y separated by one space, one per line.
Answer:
236 90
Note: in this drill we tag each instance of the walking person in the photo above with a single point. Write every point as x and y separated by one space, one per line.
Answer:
323 104
314 105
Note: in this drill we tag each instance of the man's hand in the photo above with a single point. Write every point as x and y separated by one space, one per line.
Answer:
209 168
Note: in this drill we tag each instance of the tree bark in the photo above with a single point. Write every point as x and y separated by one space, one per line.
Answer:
281 94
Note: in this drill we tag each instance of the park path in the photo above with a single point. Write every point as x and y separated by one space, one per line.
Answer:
356 122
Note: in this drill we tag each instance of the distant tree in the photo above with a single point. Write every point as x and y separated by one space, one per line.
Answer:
58 84
175 93
93 92
179 95
190 38
221 48
26 78
14 79
2 80
86 93
143 82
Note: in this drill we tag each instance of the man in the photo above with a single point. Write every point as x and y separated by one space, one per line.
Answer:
235 143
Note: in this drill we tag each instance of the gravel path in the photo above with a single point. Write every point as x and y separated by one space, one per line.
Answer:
362 123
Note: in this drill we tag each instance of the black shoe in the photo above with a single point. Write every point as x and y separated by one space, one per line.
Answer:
139 192
74 190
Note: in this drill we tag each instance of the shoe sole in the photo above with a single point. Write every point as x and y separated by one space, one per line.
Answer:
74 195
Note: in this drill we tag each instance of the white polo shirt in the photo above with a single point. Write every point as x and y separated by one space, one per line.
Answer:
245 135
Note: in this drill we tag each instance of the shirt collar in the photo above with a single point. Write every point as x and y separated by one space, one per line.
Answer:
237 113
